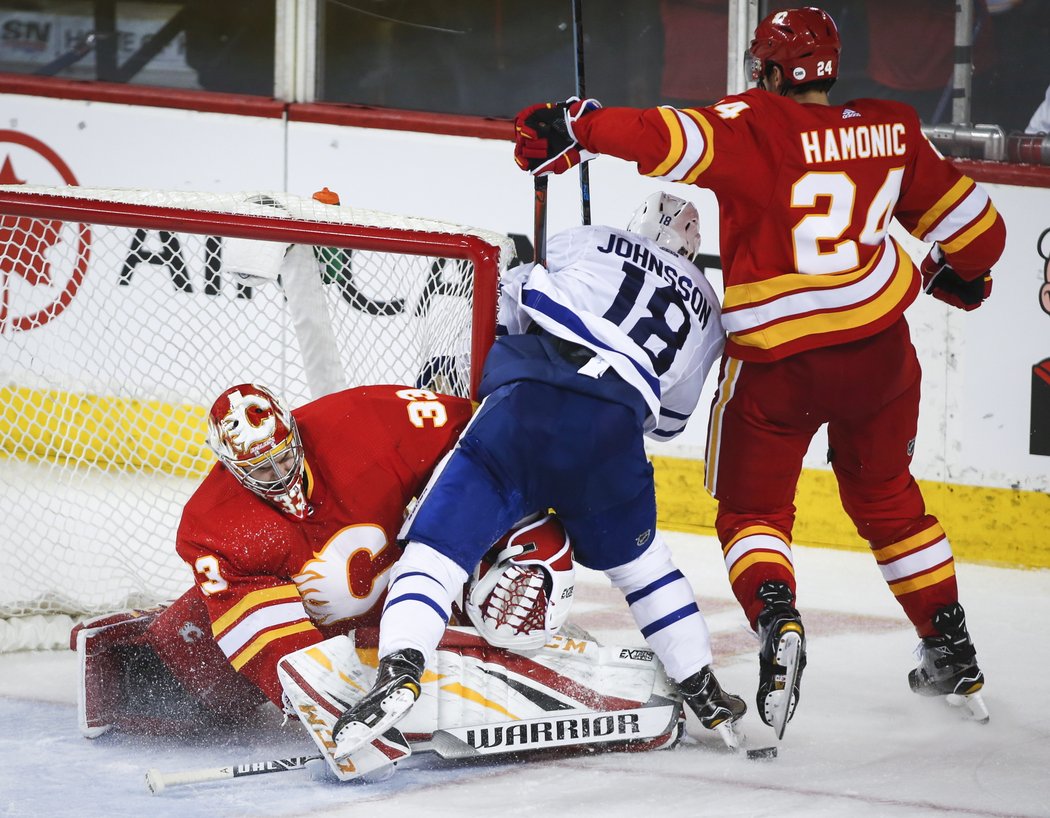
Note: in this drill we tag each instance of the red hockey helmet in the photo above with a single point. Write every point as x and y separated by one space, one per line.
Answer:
255 437
804 42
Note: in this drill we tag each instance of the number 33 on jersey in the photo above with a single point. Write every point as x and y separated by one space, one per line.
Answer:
274 584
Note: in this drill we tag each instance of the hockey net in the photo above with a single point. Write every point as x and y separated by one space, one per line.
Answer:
124 313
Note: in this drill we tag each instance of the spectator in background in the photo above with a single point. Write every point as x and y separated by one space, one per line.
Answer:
911 54
1040 121
1007 95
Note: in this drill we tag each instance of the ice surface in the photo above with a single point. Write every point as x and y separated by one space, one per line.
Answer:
861 743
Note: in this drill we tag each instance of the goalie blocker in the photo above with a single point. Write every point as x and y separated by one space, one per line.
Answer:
157 671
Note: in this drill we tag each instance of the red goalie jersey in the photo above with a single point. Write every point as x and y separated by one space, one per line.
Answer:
274 584
806 194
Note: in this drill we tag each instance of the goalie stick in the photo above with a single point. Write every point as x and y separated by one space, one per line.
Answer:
158 781
557 731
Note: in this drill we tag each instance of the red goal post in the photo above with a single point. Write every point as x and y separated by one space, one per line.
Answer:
123 313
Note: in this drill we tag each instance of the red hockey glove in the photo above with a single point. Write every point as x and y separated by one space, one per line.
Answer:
944 284
544 141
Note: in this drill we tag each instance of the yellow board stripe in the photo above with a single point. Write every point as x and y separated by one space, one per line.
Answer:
254 600
246 655
110 433
993 526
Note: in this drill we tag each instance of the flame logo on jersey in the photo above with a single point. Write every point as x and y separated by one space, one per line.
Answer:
346 578
249 422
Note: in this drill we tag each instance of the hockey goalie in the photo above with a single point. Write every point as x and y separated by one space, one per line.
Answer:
288 540
157 671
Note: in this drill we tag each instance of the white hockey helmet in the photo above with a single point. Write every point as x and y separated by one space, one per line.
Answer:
669 221
257 440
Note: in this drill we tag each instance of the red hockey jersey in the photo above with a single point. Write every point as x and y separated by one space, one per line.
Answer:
274 584
806 193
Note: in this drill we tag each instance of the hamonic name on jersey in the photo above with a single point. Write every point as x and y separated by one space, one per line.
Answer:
853 142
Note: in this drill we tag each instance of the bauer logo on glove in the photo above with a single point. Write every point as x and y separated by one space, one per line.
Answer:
522 597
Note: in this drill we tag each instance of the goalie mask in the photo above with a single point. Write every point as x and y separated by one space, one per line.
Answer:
669 221
255 437
522 591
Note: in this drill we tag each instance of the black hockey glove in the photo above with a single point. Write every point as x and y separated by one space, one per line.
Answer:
944 284
544 141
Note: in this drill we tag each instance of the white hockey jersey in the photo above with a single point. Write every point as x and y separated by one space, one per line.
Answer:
647 312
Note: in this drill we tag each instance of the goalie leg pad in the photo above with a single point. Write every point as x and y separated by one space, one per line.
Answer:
320 683
545 699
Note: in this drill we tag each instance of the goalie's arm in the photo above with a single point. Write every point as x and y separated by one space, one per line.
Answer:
255 620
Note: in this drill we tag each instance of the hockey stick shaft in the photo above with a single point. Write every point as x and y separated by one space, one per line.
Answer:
539 225
585 172
158 781
539 228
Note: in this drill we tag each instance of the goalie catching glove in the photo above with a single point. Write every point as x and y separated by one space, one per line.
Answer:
544 141
521 597
945 284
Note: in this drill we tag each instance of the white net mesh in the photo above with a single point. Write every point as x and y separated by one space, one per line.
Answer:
120 322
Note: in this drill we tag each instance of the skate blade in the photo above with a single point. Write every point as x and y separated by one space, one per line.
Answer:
374 762
779 703
357 734
730 734
972 706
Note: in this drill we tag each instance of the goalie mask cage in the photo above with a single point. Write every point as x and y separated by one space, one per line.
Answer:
123 314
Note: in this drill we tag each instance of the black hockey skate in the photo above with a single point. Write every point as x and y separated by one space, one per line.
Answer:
396 689
716 709
781 657
948 664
